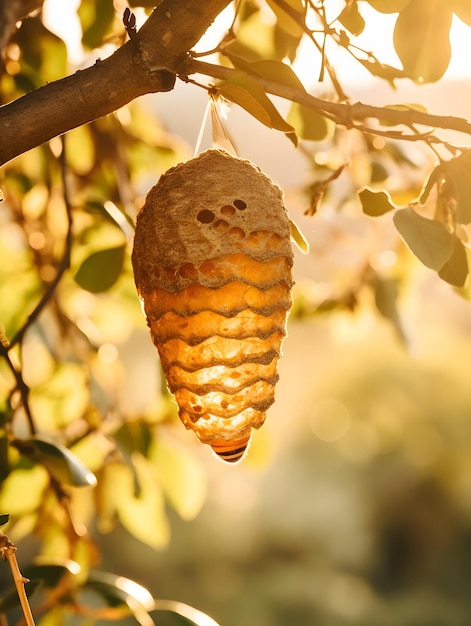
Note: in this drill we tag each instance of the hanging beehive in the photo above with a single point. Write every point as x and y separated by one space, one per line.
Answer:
212 263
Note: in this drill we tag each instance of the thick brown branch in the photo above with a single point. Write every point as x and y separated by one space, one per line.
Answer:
143 65
341 113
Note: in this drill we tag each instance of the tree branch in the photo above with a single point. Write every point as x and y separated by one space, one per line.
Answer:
345 114
143 65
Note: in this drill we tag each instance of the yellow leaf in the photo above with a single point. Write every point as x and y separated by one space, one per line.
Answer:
247 93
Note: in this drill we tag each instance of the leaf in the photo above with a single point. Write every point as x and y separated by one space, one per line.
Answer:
457 172
51 573
23 490
427 239
119 590
389 6
189 613
141 513
386 294
421 39
455 271
270 69
435 176
402 107
352 19
247 93
289 20
43 54
101 270
62 464
181 476
462 8
4 519
309 124
96 17
375 203
297 236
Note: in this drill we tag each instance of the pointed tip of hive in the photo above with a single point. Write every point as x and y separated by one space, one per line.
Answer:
230 451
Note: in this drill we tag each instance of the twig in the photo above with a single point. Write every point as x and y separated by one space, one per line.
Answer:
64 263
7 550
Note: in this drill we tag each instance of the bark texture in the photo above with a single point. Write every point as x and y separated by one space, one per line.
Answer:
145 64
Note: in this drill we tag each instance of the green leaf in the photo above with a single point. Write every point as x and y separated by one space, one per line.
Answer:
421 39
64 466
101 269
43 54
309 124
375 203
389 6
4 519
96 17
352 19
247 93
427 239
455 271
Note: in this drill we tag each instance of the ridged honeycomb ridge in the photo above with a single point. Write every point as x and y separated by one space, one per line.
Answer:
212 264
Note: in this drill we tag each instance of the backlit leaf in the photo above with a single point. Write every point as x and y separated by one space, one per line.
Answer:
43 54
421 39
181 475
298 237
386 294
23 489
402 107
429 240
247 93
352 19
309 124
119 590
50 574
435 176
189 614
289 20
101 270
375 203
4 519
96 17
455 270
141 511
462 8
389 6
270 69
457 173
